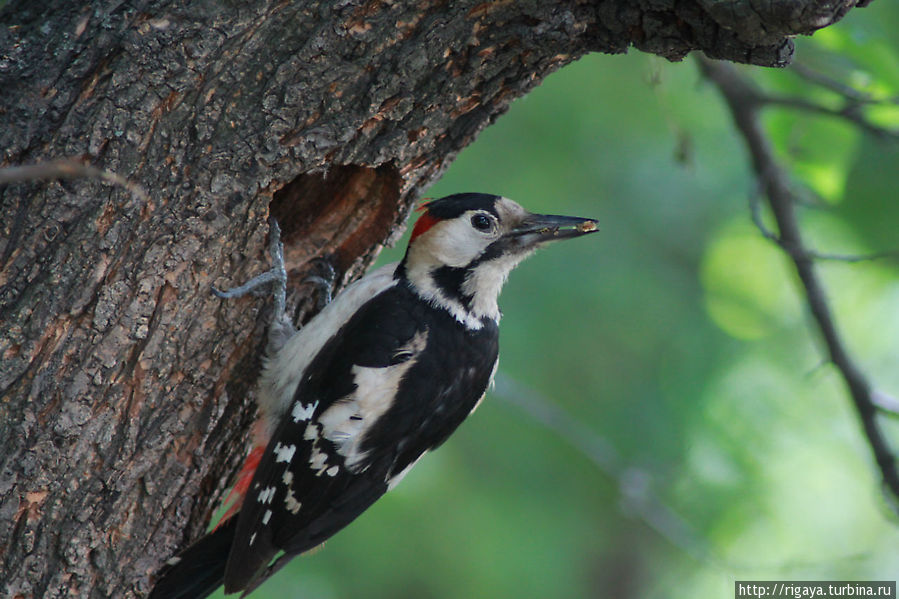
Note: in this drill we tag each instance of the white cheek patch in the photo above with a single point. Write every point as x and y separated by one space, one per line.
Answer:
454 242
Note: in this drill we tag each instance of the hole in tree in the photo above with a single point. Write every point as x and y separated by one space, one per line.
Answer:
339 214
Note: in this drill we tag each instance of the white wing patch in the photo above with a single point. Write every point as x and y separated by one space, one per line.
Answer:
284 453
302 411
318 459
347 421
265 496
290 501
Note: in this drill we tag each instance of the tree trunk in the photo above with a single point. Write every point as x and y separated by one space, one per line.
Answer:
126 386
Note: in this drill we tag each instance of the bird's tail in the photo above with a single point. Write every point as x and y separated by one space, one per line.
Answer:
199 569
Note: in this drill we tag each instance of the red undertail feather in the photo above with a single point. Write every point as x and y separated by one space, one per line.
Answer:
243 483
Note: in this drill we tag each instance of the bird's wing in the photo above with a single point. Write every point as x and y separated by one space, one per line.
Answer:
379 394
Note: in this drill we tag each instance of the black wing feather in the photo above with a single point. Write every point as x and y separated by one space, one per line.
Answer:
440 389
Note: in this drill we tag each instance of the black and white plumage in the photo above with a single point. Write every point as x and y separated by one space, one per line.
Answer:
385 373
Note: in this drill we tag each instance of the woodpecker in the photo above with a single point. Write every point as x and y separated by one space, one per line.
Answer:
382 375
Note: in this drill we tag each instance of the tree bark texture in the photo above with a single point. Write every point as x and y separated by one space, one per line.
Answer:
125 387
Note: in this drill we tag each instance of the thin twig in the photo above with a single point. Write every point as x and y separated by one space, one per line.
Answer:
755 210
634 484
854 101
638 498
851 111
828 82
67 168
851 258
744 103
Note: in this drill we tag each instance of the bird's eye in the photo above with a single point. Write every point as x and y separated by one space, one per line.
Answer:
481 222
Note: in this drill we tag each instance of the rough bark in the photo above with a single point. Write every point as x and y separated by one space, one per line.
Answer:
125 387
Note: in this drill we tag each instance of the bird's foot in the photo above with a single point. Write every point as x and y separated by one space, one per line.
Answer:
324 281
282 327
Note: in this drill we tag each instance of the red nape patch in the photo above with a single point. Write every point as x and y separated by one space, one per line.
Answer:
243 483
425 222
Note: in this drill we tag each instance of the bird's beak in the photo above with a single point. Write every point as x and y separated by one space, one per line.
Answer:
539 228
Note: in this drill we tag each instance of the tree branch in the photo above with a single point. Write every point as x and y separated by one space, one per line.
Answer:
851 110
67 168
887 404
755 209
744 102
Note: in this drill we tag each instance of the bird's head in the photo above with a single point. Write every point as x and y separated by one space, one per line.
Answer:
463 247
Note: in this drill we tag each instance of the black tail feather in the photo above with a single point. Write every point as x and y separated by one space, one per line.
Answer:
200 569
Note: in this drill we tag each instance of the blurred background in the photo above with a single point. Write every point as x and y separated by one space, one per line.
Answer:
664 421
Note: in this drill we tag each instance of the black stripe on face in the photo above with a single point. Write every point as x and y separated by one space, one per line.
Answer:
504 246
449 280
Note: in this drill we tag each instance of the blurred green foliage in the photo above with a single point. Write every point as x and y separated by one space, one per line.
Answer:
678 335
